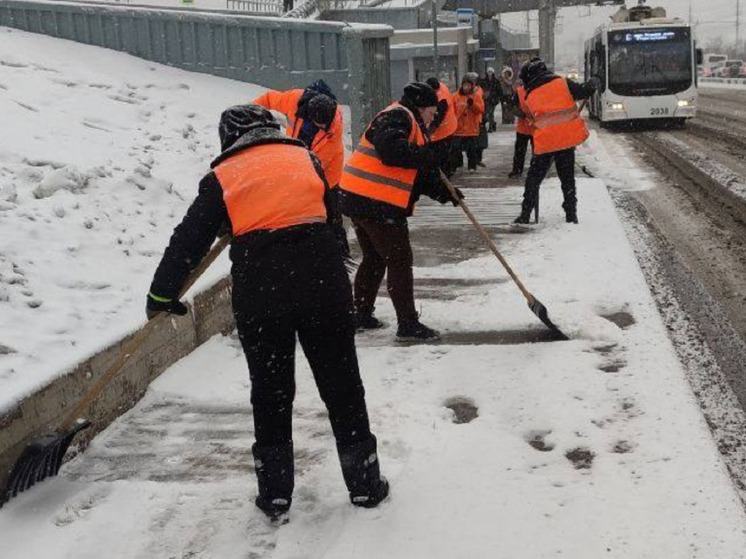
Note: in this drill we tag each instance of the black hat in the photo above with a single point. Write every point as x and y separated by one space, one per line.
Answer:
239 119
531 69
322 109
420 95
433 82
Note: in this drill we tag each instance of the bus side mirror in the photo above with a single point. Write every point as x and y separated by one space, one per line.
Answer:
700 56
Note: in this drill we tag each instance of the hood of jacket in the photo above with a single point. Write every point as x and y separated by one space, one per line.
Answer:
256 137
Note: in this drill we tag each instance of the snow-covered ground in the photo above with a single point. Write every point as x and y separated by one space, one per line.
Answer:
100 155
588 448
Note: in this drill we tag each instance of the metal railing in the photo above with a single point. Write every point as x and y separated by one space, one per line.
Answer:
268 7
273 52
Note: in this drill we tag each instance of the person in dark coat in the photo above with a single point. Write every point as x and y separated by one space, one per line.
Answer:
392 166
289 281
490 84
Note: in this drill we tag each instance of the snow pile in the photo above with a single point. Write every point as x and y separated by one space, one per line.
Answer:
100 156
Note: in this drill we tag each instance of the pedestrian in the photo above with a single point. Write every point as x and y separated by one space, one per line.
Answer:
289 280
390 168
469 105
314 117
287 6
492 97
443 126
506 96
557 128
522 132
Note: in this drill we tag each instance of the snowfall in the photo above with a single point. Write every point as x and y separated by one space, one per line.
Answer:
588 448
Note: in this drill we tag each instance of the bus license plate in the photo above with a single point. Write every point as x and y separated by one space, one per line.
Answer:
659 112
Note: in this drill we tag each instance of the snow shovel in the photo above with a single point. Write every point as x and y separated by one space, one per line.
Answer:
534 304
583 168
42 458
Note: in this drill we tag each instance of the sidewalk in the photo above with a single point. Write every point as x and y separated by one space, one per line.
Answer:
498 443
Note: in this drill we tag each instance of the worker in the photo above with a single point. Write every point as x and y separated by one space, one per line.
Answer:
468 103
289 281
388 171
443 126
557 128
314 117
523 135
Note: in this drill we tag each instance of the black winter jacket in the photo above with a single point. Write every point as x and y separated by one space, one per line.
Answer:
389 133
207 217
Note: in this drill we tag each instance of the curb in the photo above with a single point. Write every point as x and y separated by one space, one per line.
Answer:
43 411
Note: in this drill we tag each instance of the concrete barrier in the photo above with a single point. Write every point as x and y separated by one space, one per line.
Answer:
43 412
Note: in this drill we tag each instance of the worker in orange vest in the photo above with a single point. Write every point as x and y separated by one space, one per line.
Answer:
289 281
390 168
314 117
443 126
468 103
557 129
523 133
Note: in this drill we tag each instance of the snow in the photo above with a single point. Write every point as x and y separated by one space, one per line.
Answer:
172 477
593 447
101 155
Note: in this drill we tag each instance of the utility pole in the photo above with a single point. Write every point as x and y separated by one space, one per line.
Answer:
436 61
547 19
738 26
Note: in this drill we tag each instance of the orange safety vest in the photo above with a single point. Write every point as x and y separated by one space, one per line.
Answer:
366 175
449 123
522 125
271 186
554 118
327 145
469 117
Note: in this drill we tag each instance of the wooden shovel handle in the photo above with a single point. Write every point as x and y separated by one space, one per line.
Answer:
133 345
481 230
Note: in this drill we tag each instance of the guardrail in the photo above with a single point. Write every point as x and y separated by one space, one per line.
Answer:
269 7
273 52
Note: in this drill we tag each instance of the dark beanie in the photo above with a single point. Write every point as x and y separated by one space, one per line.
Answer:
322 109
433 82
420 95
239 119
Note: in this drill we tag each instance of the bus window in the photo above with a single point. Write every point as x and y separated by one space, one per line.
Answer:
650 62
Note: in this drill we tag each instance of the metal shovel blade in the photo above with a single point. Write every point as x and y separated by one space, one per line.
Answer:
540 310
40 459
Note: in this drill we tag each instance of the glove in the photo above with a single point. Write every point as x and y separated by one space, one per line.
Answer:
443 195
594 83
157 305
470 101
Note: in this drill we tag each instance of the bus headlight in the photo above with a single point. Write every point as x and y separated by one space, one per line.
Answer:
685 103
617 106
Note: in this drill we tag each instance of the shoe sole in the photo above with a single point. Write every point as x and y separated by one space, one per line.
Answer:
410 339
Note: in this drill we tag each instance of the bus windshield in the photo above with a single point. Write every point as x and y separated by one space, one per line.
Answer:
648 62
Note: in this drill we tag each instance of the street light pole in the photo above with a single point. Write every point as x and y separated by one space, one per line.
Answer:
436 62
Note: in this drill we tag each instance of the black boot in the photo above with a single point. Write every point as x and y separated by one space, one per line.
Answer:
276 479
524 218
362 473
367 321
513 174
414 331
571 212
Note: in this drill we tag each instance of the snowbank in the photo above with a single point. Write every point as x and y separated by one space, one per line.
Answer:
100 156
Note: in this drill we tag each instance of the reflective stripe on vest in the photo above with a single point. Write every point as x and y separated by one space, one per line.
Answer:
271 186
366 175
555 120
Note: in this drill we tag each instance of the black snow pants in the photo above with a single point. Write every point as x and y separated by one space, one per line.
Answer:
467 144
565 162
519 153
442 149
292 284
